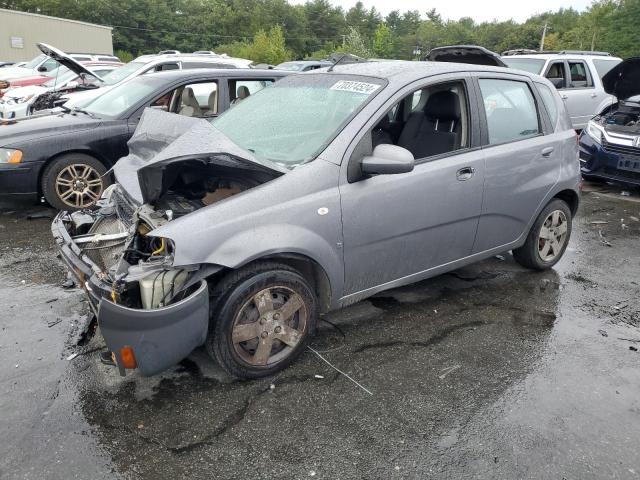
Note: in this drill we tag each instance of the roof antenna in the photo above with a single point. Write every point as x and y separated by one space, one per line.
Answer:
344 55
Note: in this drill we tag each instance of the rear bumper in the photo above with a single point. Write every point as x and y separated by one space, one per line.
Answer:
596 162
159 337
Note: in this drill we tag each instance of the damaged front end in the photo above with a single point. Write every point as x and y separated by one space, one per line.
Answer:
152 313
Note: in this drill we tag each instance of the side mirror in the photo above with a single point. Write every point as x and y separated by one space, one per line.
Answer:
42 68
388 159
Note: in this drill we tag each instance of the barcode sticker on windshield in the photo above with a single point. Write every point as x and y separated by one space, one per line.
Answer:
355 87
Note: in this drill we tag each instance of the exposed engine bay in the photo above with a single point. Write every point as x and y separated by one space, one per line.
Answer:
624 119
136 267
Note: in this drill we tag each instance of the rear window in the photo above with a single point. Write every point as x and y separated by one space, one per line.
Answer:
603 66
549 102
511 110
532 65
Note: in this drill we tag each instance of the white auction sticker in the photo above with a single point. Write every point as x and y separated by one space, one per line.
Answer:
355 87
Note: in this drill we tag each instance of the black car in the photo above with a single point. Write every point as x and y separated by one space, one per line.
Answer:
66 157
610 145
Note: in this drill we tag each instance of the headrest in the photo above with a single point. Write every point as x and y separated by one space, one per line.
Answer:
444 105
188 95
243 92
213 96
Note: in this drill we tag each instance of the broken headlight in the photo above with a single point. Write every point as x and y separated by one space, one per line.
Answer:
595 131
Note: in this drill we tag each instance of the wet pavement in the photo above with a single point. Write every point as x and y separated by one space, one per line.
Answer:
491 371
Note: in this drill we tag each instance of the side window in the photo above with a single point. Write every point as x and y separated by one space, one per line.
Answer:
193 100
167 66
557 75
510 109
48 65
549 102
603 66
241 89
437 124
192 64
579 75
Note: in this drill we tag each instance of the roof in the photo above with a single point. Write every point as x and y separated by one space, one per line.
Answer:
18 12
552 56
198 73
406 71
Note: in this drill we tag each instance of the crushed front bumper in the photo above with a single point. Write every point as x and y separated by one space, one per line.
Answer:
158 337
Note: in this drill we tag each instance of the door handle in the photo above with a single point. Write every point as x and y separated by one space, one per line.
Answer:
594 95
546 152
564 97
465 173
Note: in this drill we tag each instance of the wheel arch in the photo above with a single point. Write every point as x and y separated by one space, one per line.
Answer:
571 198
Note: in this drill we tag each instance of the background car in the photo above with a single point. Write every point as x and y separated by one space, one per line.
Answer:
65 157
44 63
153 63
18 102
577 75
610 145
303 65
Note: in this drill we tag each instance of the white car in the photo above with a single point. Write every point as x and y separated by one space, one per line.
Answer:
153 63
577 75
17 102
43 63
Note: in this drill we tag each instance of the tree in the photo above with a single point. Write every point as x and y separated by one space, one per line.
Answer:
383 42
355 44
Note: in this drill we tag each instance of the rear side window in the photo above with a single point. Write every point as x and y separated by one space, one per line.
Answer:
603 66
579 76
510 109
549 102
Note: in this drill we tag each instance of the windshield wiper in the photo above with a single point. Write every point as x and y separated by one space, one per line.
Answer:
80 110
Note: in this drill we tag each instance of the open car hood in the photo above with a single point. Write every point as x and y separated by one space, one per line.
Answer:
163 138
472 54
64 59
623 80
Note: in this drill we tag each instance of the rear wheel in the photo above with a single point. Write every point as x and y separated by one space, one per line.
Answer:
548 237
74 181
262 319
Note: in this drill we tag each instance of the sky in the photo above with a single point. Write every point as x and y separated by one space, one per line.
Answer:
479 10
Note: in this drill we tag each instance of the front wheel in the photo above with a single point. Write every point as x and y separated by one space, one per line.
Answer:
548 237
74 181
262 319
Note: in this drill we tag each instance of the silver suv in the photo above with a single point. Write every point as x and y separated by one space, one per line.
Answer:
312 194
577 76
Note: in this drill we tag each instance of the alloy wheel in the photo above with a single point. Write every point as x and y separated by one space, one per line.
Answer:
79 185
552 236
269 326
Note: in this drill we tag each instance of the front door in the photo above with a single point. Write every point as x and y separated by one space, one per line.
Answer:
580 96
397 227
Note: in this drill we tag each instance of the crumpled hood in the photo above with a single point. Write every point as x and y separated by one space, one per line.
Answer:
623 80
163 138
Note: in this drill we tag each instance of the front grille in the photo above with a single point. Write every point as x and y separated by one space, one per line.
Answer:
621 149
614 172
123 207
105 254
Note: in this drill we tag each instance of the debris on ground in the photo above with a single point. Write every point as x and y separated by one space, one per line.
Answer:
72 356
624 193
320 377
603 239
338 370
599 222
447 371
54 323
603 333
500 257
631 347
38 215
635 219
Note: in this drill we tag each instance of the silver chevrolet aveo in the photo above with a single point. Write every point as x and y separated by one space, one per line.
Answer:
315 193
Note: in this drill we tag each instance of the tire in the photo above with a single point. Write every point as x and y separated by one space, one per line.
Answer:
532 253
251 337
83 177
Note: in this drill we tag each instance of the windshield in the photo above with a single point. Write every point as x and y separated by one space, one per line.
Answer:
59 76
290 66
116 101
532 65
293 121
33 63
121 73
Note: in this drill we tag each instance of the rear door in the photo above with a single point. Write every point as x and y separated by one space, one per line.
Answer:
580 95
522 158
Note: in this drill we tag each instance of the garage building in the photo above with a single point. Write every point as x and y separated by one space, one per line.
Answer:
20 31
